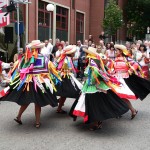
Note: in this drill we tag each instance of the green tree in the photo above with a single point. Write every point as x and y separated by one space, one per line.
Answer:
113 19
138 18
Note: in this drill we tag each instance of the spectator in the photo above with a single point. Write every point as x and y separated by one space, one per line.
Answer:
55 48
93 45
99 49
63 43
89 43
77 54
59 51
66 43
107 46
111 52
46 50
102 36
86 42
134 50
101 43
50 47
141 55
91 38
82 62
18 55
128 45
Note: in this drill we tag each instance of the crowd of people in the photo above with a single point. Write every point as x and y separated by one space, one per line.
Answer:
111 75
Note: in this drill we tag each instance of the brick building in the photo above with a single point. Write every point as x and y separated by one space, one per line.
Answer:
71 19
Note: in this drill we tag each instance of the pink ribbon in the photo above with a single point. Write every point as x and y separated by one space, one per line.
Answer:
24 71
60 64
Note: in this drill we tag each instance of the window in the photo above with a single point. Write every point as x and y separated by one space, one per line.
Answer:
62 23
43 15
62 18
79 26
80 23
44 22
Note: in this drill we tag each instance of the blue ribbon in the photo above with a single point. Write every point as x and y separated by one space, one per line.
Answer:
14 74
21 84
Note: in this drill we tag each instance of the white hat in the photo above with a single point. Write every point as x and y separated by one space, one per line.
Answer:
123 48
36 44
69 49
90 50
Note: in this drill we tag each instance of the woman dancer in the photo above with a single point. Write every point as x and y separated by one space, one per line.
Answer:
130 74
32 82
98 102
70 86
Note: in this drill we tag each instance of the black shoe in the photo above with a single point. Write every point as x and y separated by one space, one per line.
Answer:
61 112
18 121
133 115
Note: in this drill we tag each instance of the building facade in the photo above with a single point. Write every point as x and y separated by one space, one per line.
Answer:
70 21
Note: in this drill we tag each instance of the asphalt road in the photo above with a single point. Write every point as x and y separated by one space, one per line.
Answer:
59 132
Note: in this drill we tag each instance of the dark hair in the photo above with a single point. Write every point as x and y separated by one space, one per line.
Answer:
107 45
142 45
60 45
112 46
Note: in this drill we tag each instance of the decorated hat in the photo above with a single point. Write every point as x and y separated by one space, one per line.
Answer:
36 44
69 49
123 48
90 50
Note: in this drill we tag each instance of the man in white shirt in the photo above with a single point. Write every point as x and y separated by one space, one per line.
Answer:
46 51
50 45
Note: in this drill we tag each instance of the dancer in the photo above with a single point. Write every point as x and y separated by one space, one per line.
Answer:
98 102
130 74
70 87
33 81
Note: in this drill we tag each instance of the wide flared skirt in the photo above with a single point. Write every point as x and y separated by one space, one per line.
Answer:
24 97
99 106
67 88
139 86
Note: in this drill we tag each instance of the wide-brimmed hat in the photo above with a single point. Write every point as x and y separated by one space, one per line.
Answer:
123 48
90 50
36 44
70 49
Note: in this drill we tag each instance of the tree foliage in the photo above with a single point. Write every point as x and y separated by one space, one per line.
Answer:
113 19
138 17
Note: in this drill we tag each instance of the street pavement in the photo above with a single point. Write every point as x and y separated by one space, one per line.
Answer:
59 132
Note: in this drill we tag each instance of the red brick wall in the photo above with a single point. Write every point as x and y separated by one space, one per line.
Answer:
96 18
81 5
32 21
84 5
94 14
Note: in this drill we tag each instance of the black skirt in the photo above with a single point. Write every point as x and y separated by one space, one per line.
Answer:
139 86
101 106
67 89
24 97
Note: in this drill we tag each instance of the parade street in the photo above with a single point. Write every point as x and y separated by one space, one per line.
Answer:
58 131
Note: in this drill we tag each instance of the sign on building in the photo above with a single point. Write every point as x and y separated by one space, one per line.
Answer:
4 20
